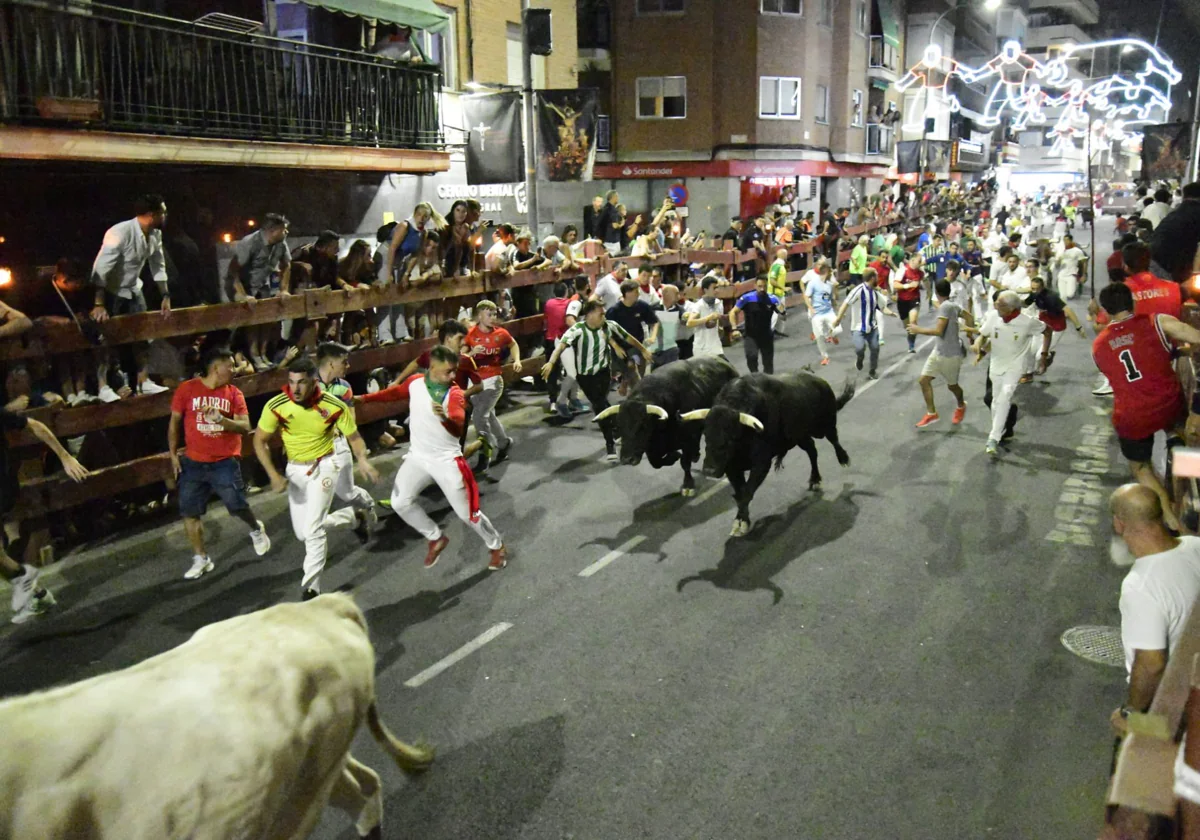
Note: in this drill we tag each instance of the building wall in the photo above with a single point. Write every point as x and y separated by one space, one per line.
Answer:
489 40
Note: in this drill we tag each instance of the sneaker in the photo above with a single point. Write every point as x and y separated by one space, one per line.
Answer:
580 407
992 448
610 453
1104 390
872 375
384 503
835 340
150 387
859 363
362 525
1008 435
482 462
958 415
72 400
502 455
812 336
262 543
499 559
200 566
309 594
927 420
825 360
912 350
23 587
39 603
107 394
436 547
563 411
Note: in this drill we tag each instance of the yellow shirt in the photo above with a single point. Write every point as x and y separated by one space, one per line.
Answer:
308 432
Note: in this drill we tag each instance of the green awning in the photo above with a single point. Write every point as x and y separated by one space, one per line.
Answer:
419 14
889 17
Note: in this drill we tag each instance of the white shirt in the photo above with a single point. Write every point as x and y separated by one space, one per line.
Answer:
1009 342
609 291
499 257
429 437
118 266
808 277
1157 596
1156 212
1069 261
1017 280
706 341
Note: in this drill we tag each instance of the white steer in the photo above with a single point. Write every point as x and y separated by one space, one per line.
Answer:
243 731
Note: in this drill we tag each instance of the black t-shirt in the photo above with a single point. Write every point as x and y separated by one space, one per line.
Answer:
633 318
608 218
324 268
757 310
750 236
1174 241
731 235
9 488
1047 301
38 298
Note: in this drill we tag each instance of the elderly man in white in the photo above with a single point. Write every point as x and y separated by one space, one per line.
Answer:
1006 333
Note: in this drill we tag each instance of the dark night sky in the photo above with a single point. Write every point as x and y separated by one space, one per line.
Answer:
1179 38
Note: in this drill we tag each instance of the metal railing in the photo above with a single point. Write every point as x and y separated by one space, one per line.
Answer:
884 56
880 139
103 67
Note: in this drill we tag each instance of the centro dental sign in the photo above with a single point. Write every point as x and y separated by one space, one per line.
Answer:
503 199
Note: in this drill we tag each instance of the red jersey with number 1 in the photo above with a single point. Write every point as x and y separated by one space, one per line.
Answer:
1135 355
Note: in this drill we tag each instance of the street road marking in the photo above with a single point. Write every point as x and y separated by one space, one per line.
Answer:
1080 504
895 366
709 493
462 653
619 551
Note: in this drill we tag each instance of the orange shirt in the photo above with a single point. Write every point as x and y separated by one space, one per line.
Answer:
491 344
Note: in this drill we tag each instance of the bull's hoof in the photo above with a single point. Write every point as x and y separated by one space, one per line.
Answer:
740 528
688 492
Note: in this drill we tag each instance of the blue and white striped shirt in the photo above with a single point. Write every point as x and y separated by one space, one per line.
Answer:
865 303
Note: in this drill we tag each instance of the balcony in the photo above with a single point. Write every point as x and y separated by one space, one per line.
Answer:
881 139
86 65
884 60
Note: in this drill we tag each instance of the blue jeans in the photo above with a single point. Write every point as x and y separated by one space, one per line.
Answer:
199 480
861 342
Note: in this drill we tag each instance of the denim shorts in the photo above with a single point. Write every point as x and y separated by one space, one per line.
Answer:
199 480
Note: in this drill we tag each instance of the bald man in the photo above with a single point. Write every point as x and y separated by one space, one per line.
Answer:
1157 594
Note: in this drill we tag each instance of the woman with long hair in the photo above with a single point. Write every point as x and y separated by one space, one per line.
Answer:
406 237
458 239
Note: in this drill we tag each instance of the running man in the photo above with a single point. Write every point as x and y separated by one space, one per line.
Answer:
819 296
437 415
332 362
1054 313
945 359
1007 333
907 287
758 309
485 343
309 420
595 341
1134 353
864 302
214 417
777 286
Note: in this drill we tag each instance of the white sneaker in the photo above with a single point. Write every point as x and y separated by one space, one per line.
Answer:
152 387
39 604
23 587
72 400
262 543
107 394
200 566
1104 390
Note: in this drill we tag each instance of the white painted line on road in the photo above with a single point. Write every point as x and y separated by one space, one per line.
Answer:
894 367
619 551
710 492
462 653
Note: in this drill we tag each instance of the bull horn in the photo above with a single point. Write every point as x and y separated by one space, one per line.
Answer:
657 411
751 421
698 414
608 412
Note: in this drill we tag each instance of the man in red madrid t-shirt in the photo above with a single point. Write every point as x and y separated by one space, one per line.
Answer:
485 344
214 418
1134 354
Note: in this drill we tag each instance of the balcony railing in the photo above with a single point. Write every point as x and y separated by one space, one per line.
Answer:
880 139
108 68
884 56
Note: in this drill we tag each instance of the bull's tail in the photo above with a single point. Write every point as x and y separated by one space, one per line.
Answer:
847 393
411 758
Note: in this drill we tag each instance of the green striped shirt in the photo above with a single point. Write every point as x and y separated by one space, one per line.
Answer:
592 353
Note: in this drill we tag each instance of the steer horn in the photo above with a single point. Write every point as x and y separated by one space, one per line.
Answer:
698 414
751 421
608 412
657 411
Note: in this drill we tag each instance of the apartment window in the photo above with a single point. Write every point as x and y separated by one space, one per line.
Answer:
779 98
516 68
856 108
782 7
659 7
441 48
862 16
662 98
826 14
822 112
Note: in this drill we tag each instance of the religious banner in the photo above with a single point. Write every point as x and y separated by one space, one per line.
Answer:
937 156
566 134
495 153
908 156
1166 150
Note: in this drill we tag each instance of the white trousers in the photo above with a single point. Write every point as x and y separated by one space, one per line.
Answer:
345 488
417 473
824 330
484 416
1068 285
310 493
1003 389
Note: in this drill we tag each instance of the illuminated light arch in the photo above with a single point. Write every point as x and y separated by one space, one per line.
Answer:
934 71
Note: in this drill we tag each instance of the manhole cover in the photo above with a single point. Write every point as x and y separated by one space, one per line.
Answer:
1096 644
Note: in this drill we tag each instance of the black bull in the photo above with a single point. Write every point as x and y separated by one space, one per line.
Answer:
759 418
649 423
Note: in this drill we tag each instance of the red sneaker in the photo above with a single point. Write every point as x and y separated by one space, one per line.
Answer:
499 559
958 414
927 420
812 336
436 547
835 340
825 361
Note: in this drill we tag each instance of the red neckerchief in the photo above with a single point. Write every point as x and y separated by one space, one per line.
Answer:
1009 317
311 401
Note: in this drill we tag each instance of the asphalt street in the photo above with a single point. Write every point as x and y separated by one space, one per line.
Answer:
877 660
